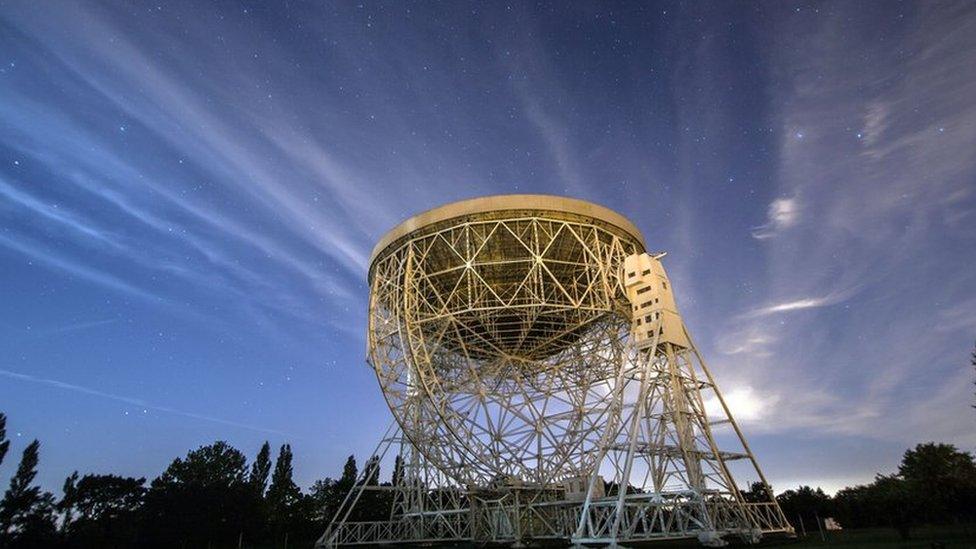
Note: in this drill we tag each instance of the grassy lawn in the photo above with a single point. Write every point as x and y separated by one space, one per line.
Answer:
954 537
957 536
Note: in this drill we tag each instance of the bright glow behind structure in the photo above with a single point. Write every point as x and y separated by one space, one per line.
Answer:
528 345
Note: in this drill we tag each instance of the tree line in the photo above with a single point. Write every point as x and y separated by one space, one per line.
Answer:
209 498
935 484
212 498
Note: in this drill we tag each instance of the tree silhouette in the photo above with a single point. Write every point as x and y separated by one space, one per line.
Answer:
261 469
284 496
26 513
935 483
972 362
371 471
937 465
852 508
895 502
757 492
324 500
942 478
376 499
201 500
21 495
328 494
69 492
107 507
4 443
804 507
397 478
349 474
283 491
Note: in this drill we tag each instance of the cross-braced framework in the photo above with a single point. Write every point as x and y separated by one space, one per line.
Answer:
664 450
526 408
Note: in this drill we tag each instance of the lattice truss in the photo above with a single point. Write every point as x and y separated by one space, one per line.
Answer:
504 346
496 345
663 449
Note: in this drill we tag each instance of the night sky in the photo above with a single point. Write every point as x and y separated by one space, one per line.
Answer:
189 193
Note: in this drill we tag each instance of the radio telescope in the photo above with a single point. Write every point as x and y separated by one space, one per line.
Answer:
544 389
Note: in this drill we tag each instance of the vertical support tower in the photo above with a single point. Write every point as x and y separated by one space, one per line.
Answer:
677 481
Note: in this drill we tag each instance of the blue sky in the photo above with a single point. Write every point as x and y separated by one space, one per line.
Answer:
189 193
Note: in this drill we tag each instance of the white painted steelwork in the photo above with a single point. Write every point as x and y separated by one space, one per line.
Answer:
535 362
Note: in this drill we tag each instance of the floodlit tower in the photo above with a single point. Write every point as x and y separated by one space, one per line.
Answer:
544 388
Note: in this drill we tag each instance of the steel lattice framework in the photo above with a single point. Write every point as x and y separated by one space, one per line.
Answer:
506 344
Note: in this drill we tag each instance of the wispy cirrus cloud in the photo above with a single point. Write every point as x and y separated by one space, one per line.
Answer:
752 343
800 304
867 164
240 262
782 214
77 326
38 253
132 401
805 303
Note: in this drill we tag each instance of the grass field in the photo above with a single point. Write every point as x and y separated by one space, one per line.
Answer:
949 537
956 536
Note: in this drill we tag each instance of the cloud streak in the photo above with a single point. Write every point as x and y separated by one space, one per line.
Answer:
136 402
76 326
862 207
799 304
180 223
782 214
48 259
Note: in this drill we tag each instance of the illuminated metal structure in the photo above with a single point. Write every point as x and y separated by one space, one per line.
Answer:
544 388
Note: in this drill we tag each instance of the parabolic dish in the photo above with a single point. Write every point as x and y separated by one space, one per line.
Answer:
478 257
495 329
